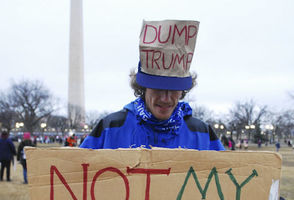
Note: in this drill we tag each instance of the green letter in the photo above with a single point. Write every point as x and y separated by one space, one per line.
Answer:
203 192
238 187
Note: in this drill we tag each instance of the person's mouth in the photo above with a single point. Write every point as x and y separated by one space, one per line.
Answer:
164 107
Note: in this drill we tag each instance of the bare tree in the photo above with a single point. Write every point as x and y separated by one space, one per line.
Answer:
59 123
31 101
247 114
203 114
284 124
8 117
93 117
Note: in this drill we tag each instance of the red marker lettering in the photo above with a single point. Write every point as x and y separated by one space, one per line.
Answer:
188 60
147 57
148 172
63 181
111 169
85 180
145 33
190 31
163 61
159 31
179 33
155 59
179 59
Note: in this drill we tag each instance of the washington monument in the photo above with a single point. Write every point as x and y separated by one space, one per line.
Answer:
76 97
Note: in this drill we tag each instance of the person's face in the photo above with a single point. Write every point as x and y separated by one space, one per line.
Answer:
161 103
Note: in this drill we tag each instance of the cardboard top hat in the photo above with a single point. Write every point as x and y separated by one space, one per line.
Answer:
166 53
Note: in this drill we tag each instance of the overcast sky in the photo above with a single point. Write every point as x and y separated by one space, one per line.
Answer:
244 50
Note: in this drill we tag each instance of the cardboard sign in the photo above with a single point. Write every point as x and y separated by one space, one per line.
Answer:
167 47
157 174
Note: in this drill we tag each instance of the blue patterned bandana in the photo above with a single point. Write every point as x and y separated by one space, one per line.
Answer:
170 125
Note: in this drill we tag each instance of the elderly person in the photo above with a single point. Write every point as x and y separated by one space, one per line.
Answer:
157 118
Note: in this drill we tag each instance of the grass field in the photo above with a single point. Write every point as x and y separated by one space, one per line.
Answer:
16 190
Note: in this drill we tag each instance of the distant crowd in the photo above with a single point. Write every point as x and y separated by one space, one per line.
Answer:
48 139
230 144
8 149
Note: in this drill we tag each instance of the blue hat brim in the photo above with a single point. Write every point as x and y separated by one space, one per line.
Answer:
163 82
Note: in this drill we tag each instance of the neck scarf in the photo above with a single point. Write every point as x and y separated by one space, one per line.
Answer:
171 125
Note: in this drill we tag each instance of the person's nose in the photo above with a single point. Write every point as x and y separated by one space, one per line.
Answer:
165 96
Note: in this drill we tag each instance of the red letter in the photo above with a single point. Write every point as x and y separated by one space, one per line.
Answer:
191 36
159 35
145 33
154 60
148 172
163 61
180 33
179 60
85 181
147 51
112 169
188 61
62 179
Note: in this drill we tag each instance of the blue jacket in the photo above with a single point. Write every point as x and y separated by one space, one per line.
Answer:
123 130
7 149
